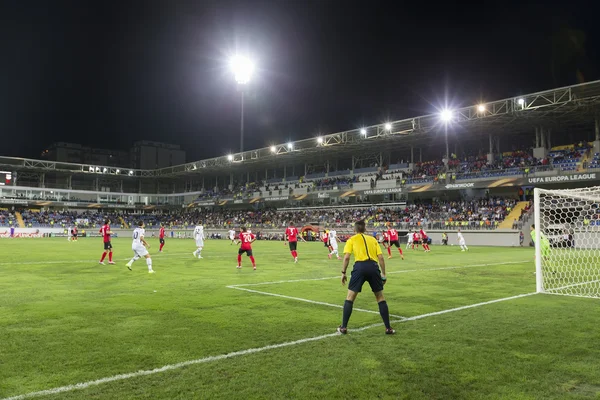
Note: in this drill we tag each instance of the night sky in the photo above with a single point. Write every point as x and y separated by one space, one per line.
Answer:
109 73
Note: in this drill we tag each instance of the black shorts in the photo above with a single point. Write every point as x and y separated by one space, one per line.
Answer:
161 240
395 243
74 235
326 244
248 252
107 246
365 271
293 246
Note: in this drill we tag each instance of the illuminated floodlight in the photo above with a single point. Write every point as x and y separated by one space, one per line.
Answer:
104 170
290 146
521 101
130 172
242 68
388 127
481 108
446 115
118 171
98 169
273 149
363 132
91 169
320 140
230 157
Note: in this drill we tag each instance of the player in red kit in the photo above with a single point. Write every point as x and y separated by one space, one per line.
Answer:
385 240
326 240
245 240
291 237
161 237
424 240
416 239
106 232
393 240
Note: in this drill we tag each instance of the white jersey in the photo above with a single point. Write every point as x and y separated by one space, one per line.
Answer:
138 235
232 234
333 239
461 239
138 246
199 232
410 237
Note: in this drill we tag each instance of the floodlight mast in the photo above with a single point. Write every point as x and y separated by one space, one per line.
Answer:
242 68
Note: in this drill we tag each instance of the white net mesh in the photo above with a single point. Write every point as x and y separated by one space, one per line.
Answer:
568 237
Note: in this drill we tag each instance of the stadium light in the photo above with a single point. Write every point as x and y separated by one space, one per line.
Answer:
521 102
290 146
273 149
320 140
104 170
91 169
230 157
363 131
388 127
243 68
481 108
446 115
98 169
118 171
130 173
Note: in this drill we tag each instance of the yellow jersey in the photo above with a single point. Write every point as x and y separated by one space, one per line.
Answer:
363 247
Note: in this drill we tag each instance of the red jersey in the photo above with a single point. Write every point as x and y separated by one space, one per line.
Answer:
246 239
74 230
423 234
393 234
386 236
292 234
325 238
104 231
415 237
161 233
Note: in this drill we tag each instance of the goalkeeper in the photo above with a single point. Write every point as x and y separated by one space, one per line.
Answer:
544 242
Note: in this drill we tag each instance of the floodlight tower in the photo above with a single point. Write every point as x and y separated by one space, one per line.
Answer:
446 116
242 68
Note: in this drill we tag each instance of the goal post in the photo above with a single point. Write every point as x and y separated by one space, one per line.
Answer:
567 241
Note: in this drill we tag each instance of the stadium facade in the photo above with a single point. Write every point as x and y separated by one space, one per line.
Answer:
288 172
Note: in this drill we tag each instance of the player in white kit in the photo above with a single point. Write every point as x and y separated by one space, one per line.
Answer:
409 241
461 241
334 244
140 247
231 236
199 237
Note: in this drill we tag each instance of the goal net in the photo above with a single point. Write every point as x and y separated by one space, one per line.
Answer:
567 241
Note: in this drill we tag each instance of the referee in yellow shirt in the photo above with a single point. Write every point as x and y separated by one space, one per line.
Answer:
367 254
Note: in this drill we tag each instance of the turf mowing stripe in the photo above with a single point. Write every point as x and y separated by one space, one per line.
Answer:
170 367
309 301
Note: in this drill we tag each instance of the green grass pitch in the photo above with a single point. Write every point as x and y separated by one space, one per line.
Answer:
64 320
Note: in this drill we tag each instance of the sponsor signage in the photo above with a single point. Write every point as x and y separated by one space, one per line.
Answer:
280 198
323 195
238 201
460 185
563 178
383 191
14 201
205 203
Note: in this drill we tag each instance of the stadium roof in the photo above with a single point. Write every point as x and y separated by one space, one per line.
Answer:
574 106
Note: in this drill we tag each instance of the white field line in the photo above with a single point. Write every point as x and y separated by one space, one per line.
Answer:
309 301
170 367
404 271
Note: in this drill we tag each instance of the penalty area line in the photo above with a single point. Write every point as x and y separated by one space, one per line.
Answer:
309 301
171 367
